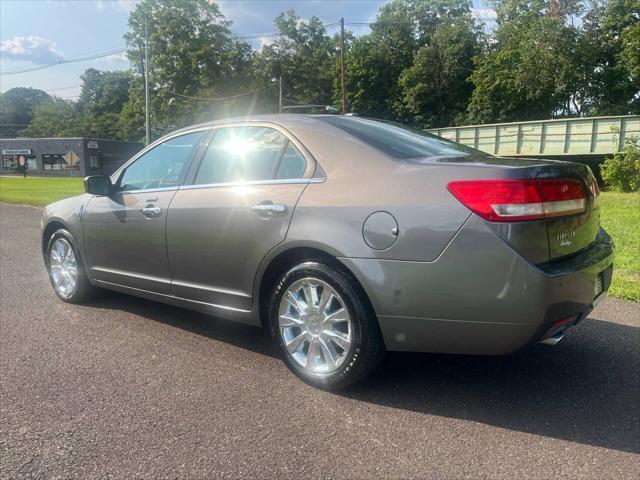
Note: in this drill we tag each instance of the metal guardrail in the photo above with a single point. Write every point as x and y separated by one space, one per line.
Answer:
562 137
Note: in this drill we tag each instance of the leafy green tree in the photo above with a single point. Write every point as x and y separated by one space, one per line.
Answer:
391 72
57 118
101 100
619 93
130 126
366 78
435 89
303 55
622 172
192 54
528 70
103 91
16 109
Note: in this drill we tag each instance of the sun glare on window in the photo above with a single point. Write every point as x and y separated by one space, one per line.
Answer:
239 146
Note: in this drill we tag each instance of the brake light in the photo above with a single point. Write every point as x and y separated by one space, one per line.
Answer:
519 200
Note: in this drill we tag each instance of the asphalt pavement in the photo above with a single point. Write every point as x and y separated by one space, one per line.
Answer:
125 387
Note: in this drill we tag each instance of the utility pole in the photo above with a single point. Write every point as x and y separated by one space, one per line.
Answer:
344 90
280 94
146 81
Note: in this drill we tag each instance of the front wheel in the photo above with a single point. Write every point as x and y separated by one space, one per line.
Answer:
66 271
324 326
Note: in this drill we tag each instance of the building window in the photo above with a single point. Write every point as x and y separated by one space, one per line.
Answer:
93 161
9 162
53 161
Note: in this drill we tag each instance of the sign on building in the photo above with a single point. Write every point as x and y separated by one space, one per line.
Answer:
18 151
72 160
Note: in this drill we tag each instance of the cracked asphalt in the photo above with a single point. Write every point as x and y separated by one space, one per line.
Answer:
125 387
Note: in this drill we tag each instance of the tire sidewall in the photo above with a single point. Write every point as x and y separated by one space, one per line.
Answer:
351 302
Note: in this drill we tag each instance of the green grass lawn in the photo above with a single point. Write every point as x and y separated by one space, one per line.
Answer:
38 191
620 217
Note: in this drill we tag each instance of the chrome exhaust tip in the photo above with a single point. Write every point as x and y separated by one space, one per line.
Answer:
553 340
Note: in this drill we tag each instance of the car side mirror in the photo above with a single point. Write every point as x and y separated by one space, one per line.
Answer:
98 185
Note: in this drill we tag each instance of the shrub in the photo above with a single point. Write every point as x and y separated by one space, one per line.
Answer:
622 172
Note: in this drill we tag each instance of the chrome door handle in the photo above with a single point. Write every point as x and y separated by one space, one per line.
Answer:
268 209
150 211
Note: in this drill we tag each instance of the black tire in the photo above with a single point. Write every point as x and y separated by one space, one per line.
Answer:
83 289
367 347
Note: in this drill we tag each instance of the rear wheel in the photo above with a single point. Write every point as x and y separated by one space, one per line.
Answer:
66 270
324 326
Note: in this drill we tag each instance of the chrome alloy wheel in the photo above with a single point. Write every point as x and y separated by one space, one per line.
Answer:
315 325
63 266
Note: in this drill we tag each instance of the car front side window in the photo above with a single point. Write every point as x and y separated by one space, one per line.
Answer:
161 167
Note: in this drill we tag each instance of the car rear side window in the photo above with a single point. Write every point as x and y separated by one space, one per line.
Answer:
241 154
397 141
292 164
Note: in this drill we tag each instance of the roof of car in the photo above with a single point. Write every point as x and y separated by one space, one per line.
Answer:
284 119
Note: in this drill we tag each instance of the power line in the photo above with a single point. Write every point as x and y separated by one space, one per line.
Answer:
62 88
62 62
208 99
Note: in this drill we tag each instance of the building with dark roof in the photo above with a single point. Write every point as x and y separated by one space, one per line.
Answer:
64 156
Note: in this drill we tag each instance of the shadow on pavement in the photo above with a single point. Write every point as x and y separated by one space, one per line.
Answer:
585 390
243 336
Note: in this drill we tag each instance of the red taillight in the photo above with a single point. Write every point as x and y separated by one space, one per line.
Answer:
518 200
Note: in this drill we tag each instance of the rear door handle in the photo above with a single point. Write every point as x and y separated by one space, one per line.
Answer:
269 209
151 211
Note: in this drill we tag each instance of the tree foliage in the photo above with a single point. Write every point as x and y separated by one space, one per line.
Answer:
16 109
192 54
435 89
622 172
303 55
56 118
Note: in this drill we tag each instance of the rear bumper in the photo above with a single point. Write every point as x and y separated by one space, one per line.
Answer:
479 296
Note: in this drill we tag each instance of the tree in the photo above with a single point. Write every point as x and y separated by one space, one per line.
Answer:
192 54
56 118
303 55
435 89
619 93
16 109
103 92
101 100
388 77
528 71
369 78
607 57
130 126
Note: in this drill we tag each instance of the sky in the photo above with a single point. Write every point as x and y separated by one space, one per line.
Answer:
36 32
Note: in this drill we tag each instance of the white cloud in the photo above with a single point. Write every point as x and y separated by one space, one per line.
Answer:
33 49
126 6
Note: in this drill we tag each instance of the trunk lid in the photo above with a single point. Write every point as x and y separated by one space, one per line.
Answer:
542 240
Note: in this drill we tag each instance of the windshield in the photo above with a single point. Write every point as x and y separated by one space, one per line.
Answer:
398 141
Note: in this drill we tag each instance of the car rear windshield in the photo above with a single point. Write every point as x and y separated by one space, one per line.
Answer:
398 141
